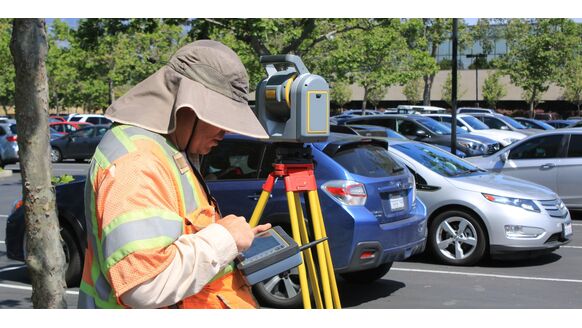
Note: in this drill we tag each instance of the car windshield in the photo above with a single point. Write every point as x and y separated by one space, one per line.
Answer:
459 129
512 122
437 160
475 123
545 125
368 160
434 126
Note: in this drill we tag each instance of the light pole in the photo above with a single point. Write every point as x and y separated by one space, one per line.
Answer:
476 56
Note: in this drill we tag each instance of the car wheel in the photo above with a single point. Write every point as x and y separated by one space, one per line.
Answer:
282 291
369 275
56 155
457 238
73 257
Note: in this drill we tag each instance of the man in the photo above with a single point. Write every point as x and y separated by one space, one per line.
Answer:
155 236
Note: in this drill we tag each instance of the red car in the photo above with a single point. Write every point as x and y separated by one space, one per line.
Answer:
65 128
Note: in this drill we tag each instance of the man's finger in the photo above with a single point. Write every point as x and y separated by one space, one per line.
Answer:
261 228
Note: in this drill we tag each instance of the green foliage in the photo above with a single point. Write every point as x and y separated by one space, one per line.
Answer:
412 91
447 90
375 95
340 93
7 73
493 90
538 49
571 75
63 179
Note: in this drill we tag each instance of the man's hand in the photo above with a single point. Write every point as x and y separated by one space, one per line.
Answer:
241 231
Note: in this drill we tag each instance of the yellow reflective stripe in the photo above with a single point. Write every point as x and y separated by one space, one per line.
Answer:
135 246
110 303
138 215
97 249
101 159
125 141
227 269
196 189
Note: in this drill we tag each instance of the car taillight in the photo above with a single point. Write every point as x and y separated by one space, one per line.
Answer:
11 138
346 192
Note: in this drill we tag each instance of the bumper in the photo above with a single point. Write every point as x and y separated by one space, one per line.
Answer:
393 241
551 231
10 154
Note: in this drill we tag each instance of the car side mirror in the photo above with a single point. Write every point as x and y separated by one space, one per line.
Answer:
504 156
421 134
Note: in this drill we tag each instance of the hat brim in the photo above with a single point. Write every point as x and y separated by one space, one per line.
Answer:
218 110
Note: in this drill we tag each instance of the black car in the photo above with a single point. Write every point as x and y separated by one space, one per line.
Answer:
71 213
426 129
79 145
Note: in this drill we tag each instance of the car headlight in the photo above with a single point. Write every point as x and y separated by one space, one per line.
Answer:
526 204
472 145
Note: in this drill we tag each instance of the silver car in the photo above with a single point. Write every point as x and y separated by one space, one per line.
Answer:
474 213
502 122
8 144
552 159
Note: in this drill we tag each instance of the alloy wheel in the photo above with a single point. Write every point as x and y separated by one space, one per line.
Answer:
456 238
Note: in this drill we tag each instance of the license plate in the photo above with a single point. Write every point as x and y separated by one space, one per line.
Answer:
396 203
567 229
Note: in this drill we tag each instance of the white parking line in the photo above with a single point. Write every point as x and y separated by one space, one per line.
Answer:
577 224
487 275
571 247
3 216
70 292
2 242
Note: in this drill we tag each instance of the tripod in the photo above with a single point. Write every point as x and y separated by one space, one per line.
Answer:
294 164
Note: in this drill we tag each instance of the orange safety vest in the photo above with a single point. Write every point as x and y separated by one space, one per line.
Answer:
132 223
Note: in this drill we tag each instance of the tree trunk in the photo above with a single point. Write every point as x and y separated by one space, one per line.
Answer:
532 104
45 257
364 100
428 80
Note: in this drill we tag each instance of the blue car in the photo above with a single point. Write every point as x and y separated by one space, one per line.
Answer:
368 201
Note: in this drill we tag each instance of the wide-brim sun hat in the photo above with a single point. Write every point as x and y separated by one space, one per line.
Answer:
205 76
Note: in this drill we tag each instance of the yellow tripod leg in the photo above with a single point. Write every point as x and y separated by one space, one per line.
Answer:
321 254
297 238
308 255
258 211
315 198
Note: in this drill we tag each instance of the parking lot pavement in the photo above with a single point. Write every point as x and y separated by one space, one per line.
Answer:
552 281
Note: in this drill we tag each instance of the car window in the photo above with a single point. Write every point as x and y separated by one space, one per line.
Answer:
368 160
93 120
417 177
493 122
512 122
575 148
475 123
101 131
75 119
407 128
435 126
536 148
13 128
232 160
388 123
83 133
435 159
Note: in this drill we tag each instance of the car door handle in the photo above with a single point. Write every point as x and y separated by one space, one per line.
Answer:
547 166
256 196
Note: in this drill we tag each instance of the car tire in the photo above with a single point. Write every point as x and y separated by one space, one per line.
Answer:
281 292
73 257
367 276
56 155
457 238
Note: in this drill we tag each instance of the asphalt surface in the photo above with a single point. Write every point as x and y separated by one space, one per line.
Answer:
553 281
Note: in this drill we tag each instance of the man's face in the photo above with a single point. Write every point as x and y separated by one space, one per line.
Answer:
204 138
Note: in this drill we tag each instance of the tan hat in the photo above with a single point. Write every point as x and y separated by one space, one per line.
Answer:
207 77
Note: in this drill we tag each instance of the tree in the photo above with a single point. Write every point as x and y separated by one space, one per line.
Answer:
571 76
375 95
340 93
412 90
493 90
6 66
45 257
538 49
447 91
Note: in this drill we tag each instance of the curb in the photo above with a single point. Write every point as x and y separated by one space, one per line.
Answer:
5 173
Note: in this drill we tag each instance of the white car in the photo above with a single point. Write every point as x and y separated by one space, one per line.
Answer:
475 126
552 159
474 213
89 118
